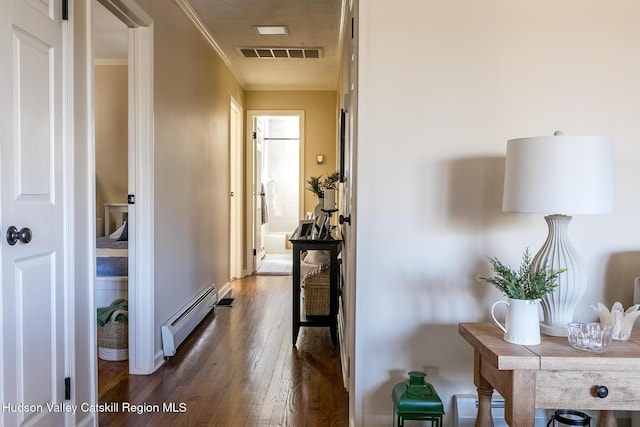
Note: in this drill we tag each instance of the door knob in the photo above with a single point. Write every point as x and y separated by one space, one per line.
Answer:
23 235
343 219
601 391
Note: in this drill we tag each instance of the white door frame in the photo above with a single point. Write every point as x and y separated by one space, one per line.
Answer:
142 358
250 190
236 193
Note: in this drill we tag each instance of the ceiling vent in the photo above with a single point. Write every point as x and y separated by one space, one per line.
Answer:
281 52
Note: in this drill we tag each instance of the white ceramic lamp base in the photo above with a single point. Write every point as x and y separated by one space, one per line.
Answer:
558 253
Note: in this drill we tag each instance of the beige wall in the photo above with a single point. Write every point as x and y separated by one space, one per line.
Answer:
432 134
320 127
111 136
192 90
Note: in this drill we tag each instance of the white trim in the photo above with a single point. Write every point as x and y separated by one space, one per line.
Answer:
235 181
85 357
129 12
142 334
68 202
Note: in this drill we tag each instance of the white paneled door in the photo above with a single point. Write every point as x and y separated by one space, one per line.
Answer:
33 355
258 193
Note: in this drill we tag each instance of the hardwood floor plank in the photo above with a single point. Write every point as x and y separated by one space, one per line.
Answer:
238 368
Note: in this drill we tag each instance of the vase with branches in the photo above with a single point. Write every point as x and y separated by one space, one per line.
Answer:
325 190
317 185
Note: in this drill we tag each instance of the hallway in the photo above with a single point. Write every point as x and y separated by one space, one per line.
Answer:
238 368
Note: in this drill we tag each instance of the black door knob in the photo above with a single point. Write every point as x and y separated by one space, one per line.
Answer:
601 391
14 235
343 219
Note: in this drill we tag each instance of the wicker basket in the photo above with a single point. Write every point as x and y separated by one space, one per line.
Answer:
113 338
316 293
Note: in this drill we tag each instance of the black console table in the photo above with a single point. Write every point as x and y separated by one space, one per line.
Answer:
299 246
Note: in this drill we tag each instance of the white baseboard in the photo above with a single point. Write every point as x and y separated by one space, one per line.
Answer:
226 288
89 418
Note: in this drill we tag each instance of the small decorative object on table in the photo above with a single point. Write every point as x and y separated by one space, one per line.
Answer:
593 337
620 320
524 288
305 228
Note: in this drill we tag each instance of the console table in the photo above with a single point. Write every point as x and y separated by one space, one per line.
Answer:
299 246
552 375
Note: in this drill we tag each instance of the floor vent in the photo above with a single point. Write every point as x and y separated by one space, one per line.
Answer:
281 52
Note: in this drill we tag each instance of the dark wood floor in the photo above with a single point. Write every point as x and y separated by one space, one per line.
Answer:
238 368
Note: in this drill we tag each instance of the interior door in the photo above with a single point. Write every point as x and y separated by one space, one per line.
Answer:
235 191
346 303
33 357
348 214
258 191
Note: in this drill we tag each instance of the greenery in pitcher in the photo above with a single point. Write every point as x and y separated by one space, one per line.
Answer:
528 282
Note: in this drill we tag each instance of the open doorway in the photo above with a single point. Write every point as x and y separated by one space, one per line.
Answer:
138 198
277 173
111 112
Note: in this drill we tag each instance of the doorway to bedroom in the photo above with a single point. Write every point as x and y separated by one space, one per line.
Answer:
111 118
277 174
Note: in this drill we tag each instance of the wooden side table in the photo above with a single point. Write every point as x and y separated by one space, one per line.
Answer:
552 375
299 246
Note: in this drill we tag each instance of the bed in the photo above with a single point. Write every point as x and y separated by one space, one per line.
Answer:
112 260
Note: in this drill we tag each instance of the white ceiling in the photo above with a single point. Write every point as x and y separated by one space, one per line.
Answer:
231 24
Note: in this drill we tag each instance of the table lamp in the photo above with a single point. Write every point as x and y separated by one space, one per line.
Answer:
559 176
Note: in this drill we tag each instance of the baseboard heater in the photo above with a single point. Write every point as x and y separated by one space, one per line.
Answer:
175 330
466 410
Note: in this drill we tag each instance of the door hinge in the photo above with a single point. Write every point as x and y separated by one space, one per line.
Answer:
353 27
255 135
65 10
255 252
131 199
67 388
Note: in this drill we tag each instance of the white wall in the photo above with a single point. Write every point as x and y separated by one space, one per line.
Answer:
446 84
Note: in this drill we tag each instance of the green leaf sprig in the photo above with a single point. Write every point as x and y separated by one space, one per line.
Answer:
528 282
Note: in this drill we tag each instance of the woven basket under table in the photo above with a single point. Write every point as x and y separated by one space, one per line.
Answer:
316 293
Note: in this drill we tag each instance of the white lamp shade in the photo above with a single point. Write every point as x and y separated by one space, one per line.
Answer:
559 174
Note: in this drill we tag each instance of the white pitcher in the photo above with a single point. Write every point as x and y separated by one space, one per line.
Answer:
522 323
